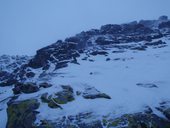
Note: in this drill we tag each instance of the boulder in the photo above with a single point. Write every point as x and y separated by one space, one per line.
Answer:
22 114
61 97
45 85
25 88
93 93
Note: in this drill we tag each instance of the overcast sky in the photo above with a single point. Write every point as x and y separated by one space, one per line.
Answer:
27 25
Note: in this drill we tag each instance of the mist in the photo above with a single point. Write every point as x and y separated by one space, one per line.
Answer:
28 25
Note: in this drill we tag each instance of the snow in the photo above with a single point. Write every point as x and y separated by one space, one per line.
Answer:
118 79
5 93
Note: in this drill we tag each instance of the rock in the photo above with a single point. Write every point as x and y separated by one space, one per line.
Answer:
165 109
111 29
61 97
92 93
25 88
108 59
22 114
137 120
159 42
119 51
140 48
45 85
94 53
91 60
163 18
64 96
30 74
78 93
147 85
164 25
104 41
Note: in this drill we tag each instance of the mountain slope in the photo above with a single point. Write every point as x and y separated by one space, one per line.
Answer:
117 76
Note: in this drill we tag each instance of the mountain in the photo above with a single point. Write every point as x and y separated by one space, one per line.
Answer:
116 76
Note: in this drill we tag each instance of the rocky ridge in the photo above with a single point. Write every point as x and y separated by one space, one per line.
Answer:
32 75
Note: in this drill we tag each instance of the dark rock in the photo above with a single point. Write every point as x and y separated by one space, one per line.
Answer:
138 120
119 51
159 42
111 29
163 18
140 48
22 114
25 88
92 93
164 25
165 109
30 74
78 93
94 53
45 85
147 85
64 96
61 97
108 59
91 60
104 41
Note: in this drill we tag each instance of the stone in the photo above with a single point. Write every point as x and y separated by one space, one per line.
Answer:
30 74
45 85
147 85
92 93
25 88
22 114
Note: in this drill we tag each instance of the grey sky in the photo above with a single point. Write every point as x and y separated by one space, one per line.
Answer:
27 25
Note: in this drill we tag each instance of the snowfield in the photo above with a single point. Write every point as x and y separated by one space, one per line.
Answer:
120 78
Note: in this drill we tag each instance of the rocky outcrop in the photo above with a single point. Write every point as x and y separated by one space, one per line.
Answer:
137 120
22 114
59 98
25 88
92 93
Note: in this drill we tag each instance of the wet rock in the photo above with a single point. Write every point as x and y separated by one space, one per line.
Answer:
147 85
22 114
25 88
92 93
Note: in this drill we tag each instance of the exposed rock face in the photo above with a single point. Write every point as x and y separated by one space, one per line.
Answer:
25 88
92 93
59 98
73 121
165 109
45 85
137 120
54 53
22 114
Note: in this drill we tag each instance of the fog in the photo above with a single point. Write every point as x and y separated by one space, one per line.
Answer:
27 25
